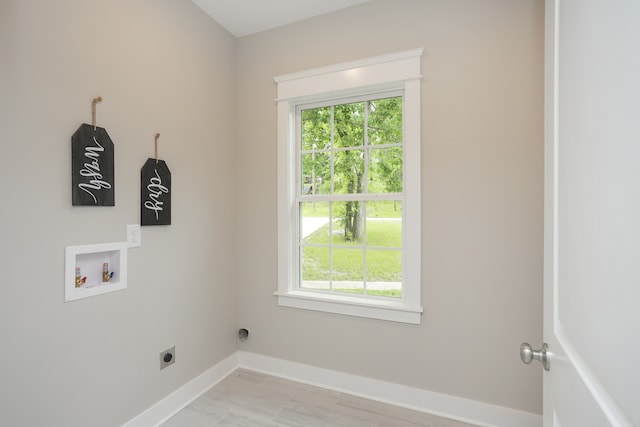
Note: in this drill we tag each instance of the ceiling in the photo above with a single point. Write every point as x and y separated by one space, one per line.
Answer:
244 17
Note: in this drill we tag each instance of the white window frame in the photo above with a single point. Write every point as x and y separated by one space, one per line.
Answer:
398 71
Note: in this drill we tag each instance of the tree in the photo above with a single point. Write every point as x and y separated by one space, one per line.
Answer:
348 142
385 127
349 164
316 146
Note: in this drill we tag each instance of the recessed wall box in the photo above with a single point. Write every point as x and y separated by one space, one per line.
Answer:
85 274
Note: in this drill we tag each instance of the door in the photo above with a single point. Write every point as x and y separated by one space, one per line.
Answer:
592 213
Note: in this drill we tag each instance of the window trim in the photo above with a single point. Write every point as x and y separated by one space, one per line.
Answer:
398 71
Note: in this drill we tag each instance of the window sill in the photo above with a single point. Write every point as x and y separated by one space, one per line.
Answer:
395 311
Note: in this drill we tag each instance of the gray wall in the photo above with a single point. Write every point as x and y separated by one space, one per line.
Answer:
482 158
161 66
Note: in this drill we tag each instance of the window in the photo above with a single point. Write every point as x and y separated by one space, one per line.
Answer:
349 200
349 188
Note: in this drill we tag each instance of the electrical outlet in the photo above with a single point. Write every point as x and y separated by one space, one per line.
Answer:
134 236
167 357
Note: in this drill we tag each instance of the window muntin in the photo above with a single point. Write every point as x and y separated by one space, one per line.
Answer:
350 148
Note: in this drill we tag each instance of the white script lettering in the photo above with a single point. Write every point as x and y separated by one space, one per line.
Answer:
92 170
156 189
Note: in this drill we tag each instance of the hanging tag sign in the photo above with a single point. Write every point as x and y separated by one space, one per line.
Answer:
155 193
92 176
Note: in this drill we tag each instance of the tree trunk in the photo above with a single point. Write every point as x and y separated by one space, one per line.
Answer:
353 223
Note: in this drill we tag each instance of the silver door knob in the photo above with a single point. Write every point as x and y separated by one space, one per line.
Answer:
528 355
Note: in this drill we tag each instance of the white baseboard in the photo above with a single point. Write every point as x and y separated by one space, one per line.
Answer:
182 397
457 408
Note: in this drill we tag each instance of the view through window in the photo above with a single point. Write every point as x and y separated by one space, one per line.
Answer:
350 195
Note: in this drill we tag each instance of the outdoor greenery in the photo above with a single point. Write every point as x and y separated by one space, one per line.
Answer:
394 293
353 148
347 257
387 209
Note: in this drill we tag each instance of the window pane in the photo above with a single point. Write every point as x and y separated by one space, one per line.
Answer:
314 223
348 270
352 246
348 224
349 172
314 267
385 170
349 124
384 273
384 125
386 209
384 265
316 128
316 173
384 225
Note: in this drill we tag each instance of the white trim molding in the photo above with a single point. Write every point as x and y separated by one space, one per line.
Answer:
167 407
351 306
443 405
400 71
384 72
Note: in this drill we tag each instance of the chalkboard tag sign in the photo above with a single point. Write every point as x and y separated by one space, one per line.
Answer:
155 193
92 177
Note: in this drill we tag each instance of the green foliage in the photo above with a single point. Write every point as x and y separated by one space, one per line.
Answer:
347 262
385 127
385 121
336 142
385 209
393 293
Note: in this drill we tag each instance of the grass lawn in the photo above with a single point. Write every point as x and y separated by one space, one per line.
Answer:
383 265
394 293
388 209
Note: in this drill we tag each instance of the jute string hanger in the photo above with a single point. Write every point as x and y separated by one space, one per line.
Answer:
93 111
156 146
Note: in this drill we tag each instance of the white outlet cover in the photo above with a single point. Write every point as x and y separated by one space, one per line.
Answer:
134 236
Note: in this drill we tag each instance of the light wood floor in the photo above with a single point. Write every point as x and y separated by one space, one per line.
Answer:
246 398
